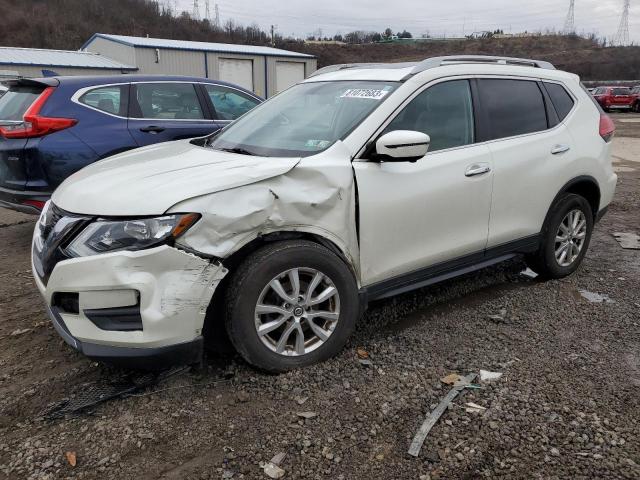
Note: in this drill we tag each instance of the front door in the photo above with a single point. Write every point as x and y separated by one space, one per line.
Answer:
165 111
418 214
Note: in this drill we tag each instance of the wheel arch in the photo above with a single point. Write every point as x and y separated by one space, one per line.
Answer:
213 329
584 185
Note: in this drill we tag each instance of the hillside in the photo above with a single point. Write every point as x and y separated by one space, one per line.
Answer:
574 54
67 24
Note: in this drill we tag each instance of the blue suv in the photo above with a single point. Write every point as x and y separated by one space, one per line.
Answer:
52 127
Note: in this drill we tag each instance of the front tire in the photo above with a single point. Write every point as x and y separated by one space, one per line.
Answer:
565 238
291 304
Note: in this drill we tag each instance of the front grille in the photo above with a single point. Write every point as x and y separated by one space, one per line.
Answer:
55 229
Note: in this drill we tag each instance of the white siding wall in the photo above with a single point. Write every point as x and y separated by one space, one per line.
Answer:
171 62
114 50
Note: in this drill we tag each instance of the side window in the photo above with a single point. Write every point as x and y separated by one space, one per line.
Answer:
167 101
111 99
560 98
229 103
443 111
513 107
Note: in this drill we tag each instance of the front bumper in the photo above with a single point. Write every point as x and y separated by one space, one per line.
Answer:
151 359
171 289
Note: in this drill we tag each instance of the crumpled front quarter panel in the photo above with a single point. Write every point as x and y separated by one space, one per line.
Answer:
317 196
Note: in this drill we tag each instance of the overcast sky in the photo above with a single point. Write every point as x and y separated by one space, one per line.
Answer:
436 17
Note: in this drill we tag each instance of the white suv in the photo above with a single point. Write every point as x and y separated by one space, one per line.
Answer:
361 182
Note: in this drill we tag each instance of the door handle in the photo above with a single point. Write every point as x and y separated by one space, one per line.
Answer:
560 149
477 169
152 129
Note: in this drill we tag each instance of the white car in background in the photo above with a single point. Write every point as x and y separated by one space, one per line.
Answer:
361 182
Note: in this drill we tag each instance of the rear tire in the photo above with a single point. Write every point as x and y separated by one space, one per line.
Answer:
271 317
565 238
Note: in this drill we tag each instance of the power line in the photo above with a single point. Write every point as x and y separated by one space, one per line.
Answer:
569 23
622 37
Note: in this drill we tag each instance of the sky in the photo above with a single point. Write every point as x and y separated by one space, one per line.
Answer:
301 18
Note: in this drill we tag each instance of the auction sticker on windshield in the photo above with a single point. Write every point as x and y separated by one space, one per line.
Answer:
369 93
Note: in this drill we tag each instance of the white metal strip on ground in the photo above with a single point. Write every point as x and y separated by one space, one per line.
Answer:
433 417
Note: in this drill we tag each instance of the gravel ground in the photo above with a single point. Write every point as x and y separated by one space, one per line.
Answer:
566 407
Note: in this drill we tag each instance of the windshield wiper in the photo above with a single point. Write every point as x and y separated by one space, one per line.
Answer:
240 150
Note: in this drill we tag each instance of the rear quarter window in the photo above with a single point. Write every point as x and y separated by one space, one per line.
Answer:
562 101
109 99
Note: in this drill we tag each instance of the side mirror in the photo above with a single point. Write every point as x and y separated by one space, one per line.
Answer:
402 145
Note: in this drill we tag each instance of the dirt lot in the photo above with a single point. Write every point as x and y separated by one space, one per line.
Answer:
566 407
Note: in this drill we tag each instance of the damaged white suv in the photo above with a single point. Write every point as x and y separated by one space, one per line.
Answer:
361 182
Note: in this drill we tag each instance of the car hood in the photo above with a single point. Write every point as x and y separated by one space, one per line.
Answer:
150 180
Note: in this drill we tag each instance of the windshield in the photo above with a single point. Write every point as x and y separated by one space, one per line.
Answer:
303 120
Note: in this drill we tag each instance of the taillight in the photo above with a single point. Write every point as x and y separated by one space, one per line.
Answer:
34 124
39 204
607 127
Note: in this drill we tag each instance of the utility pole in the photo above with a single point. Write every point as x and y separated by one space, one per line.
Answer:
622 37
273 35
569 23
207 10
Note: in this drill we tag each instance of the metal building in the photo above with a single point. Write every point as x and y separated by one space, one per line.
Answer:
34 62
264 70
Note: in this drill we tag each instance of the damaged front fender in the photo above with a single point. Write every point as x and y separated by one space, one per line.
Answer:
317 197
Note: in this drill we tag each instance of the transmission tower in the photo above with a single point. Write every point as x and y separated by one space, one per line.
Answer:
196 10
216 20
569 23
622 37
207 10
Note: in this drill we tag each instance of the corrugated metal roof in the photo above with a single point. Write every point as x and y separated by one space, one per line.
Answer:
198 46
58 58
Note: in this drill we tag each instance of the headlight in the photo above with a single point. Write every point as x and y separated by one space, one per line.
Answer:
108 236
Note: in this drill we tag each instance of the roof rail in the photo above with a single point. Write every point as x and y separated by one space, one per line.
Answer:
482 59
344 66
439 62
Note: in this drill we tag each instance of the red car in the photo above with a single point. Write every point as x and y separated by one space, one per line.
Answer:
635 92
614 98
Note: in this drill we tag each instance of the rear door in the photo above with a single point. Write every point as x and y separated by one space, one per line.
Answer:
103 120
532 154
165 111
13 105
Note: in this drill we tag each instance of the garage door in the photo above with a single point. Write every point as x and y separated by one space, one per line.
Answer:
288 73
237 71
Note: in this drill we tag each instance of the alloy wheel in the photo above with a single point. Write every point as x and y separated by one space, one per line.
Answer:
297 311
570 237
